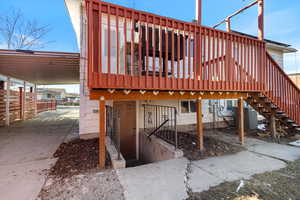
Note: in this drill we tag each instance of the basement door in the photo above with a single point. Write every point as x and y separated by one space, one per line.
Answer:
127 110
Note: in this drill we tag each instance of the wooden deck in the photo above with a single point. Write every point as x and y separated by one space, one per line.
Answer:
134 50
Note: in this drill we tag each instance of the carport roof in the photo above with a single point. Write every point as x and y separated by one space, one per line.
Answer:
40 67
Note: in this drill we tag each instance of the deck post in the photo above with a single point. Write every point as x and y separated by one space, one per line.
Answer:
261 19
7 114
241 120
273 126
228 24
199 11
102 134
200 134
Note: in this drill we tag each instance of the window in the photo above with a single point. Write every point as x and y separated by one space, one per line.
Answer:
188 106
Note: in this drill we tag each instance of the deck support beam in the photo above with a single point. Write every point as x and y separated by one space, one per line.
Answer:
273 126
200 135
102 151
241 121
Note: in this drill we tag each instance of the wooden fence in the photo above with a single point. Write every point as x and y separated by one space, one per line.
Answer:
18 109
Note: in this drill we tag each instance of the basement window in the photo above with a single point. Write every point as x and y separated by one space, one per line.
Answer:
188 106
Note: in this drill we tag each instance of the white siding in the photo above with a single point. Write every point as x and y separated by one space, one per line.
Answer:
277 55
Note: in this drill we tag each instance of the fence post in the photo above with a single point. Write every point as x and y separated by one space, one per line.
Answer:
24 101
21 102
35 100
7 113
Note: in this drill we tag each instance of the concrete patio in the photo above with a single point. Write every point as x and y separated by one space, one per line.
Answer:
173 179
26 151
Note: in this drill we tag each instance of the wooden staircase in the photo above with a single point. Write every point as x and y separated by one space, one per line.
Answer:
267 108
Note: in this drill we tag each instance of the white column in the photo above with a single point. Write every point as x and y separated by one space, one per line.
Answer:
7 115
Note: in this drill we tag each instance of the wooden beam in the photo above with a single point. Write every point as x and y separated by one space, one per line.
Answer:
261 19
273 126
150 95
200 134
102 134
241 120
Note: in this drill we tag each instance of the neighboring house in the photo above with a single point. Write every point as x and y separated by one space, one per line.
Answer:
72 98
295 77
57 94
275 49
147 67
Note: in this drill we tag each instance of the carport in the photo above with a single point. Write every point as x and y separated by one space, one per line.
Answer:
27 147
22 70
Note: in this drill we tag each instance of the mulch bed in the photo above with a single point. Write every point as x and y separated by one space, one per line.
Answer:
212 147
77 157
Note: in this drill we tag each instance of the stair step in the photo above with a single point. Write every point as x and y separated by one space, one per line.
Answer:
295 125
290 121
267 112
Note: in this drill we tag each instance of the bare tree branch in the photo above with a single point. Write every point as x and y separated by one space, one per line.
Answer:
20 33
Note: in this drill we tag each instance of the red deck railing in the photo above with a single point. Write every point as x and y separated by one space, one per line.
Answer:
281 90
158 53
131 49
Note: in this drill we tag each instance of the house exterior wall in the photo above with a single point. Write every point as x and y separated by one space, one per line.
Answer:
184 118
277 55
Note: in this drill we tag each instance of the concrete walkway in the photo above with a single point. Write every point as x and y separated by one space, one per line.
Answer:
26 151
173 179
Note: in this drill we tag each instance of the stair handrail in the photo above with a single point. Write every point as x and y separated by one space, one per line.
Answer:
282 71
155 130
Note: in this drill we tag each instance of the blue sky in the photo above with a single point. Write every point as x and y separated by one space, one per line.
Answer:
281 19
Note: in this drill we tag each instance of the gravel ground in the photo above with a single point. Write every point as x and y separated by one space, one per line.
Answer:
91 186
283 184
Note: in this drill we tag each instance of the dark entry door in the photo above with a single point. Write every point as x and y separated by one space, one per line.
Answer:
127 111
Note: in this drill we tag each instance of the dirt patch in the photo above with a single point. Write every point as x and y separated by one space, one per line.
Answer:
212 147
103 185
261 135
77 157
277 185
